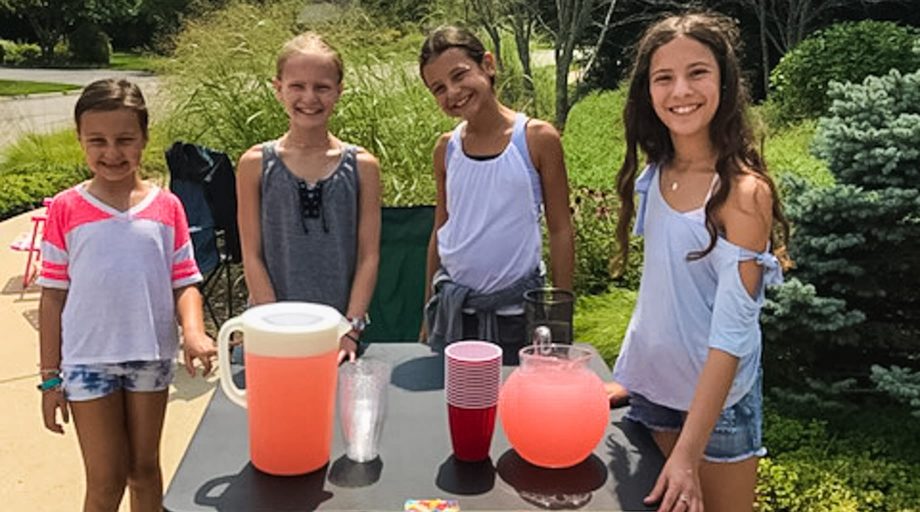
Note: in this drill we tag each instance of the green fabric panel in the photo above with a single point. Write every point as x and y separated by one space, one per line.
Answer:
396 308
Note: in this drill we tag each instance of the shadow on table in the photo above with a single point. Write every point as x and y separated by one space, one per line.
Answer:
625 475
552 489
347 473
250 489
420 373
466 478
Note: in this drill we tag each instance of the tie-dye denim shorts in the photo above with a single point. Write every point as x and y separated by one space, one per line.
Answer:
90 381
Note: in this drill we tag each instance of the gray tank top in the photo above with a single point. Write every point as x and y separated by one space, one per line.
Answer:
310 232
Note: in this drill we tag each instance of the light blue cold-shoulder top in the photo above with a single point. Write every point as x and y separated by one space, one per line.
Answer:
686 307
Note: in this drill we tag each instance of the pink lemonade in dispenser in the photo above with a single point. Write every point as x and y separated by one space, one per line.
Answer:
554 409
291 351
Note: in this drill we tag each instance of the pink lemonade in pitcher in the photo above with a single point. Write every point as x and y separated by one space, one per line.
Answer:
279 411
554 410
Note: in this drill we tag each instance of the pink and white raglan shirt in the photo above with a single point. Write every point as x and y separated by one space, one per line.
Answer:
119 270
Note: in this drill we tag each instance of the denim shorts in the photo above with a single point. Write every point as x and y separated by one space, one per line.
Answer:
90 381
738 432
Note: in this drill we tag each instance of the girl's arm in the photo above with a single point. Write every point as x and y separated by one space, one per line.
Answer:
440 217
547 156
747 220
368 258
49 316
196 344
248 182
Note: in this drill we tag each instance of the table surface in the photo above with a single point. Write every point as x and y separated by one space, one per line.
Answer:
415 460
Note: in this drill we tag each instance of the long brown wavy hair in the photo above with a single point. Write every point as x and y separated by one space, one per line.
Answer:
729 130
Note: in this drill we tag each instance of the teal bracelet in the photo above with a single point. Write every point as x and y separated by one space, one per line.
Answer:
50 384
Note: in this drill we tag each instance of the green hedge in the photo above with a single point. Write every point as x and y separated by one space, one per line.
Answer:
24 189
19 54
844 459
846 52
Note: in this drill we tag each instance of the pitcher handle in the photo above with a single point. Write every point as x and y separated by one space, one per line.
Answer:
344 327
234 393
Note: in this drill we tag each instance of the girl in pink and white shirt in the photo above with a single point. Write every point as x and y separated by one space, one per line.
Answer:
117 271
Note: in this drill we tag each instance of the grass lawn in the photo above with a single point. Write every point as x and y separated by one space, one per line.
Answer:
133 61
20 87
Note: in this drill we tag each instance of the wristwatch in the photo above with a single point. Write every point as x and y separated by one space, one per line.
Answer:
360 323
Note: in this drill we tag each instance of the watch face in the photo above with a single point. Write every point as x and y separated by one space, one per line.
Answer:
358 324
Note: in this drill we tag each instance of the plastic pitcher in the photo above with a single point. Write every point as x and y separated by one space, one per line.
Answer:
553 408
291 370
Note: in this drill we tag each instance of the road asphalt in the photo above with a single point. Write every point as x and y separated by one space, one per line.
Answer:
43 113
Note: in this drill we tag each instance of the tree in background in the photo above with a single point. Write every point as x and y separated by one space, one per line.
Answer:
843 52
855 244
52 20
572 18
491 16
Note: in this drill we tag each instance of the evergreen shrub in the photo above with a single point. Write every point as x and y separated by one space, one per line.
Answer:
856 244
24 189
88 44
843 52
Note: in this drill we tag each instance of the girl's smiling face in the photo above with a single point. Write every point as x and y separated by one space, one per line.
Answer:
460 84
112 142
684 82
308 88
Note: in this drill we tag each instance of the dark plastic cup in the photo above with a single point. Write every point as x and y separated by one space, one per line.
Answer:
552 307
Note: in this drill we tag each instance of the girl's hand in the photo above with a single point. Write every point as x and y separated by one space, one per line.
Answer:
616 393
200 346
678 486
348 347
52 400
423 334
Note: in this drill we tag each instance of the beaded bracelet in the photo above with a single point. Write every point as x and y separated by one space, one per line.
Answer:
52 383
50 371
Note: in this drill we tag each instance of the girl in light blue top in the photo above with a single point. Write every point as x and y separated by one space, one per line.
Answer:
708 212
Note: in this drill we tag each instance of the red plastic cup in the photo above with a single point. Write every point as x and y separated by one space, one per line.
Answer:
471 431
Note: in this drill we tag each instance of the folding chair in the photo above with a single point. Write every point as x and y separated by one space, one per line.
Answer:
204 181
396 308
30 243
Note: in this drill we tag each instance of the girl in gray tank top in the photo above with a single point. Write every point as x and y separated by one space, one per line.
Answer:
309 204
310 231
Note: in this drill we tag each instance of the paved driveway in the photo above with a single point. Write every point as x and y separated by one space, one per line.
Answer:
42 113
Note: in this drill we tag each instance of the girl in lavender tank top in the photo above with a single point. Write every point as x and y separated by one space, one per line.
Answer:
496 174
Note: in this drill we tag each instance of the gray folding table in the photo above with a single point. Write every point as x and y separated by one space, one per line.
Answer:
415 460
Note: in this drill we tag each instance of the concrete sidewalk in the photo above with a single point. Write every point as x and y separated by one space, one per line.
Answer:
42 471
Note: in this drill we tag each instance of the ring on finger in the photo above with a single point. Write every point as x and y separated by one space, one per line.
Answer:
683 498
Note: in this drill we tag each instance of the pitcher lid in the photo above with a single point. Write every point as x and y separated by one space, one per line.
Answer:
292 317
